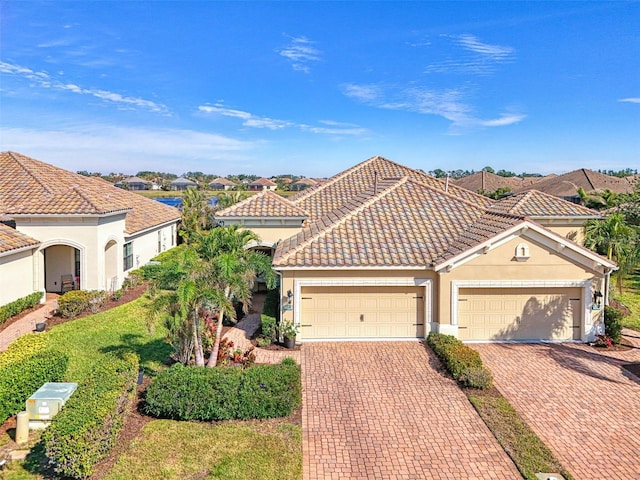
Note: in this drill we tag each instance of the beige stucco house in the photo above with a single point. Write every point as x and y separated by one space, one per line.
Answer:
382 251
57 223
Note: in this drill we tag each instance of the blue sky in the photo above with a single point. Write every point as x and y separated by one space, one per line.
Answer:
312 88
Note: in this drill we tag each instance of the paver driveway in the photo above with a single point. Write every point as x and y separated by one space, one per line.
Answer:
579 402
374 410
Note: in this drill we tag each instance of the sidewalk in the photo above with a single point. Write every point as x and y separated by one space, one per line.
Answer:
241 334
27 324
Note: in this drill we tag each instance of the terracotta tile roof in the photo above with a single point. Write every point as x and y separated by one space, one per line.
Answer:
341 188
485 227
487 182
402 222
263 182
11 239
306 181
221 181
32 187
567 184
263 204
533 203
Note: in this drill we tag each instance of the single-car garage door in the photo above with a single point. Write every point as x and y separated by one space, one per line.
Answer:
519 313
362 312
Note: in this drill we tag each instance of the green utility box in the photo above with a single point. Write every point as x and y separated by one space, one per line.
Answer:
48 400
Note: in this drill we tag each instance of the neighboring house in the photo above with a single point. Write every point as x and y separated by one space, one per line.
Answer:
566 185
262 184
303 183
487 182
133 183
69 224
182 184
221 184
388 252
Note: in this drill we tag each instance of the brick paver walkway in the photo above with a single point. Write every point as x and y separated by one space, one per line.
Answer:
27 324
579 401
374 410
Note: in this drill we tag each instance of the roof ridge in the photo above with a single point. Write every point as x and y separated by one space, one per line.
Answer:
246 200
283 200
522 200
305 193
14 155
344 218
586 175
451 195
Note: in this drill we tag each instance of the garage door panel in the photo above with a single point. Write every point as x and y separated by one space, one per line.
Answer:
519 314
362 312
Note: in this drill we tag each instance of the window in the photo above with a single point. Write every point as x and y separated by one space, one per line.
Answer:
173 235
127 256
77 262
159 241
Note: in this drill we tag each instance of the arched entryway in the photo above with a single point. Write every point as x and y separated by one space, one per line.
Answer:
60 263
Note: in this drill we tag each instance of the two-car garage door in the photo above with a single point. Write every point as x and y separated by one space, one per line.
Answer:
344 312
519 313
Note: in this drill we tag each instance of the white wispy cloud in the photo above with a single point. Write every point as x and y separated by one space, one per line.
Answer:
467 55
248 119
45 80
630 100
300 52
108 148
449 104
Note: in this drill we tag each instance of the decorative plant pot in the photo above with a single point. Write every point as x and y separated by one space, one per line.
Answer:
289 342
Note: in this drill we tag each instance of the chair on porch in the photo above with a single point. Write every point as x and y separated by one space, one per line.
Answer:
66 283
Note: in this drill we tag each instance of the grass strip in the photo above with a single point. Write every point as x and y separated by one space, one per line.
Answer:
168 449
525 448
631 298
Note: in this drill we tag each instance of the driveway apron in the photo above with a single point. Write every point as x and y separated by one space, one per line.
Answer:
580 402
385 411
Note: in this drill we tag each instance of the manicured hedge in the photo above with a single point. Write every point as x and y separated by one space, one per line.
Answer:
464 363
272 304
17 306
21 375
87 427
75 302
223 393
24 367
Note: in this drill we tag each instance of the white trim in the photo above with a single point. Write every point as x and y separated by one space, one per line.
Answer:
587 329
548 238
70 215
427 283
6 253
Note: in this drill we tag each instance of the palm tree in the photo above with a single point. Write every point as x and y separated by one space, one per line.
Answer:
234 269
189 290
231 198
616 239
197 215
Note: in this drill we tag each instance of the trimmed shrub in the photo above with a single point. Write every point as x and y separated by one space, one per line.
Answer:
268 327
196 393
24 367
612 323
73 303
96 299
87 427
464 363
18 306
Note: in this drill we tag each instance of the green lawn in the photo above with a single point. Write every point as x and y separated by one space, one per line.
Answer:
631 298
117 330
269 450
525 448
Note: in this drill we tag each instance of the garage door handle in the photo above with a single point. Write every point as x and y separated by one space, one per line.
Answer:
417 324
362 317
